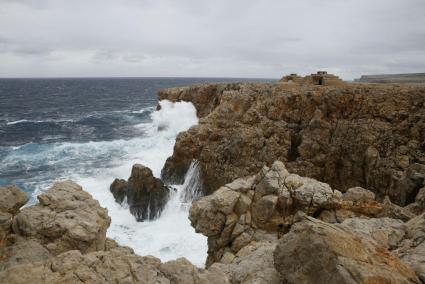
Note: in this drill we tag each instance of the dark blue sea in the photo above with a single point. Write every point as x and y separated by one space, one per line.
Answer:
56 128
92 131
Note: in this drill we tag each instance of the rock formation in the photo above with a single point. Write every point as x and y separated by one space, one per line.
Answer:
347 135
63 240
266 228
317 252
145 195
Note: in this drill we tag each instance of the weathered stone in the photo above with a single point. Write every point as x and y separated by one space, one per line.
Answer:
22 252
349 135
225 199
67 218
145 195
11 199
358 194
317 252
206 218
386 232
5 226
412 249
241 184
264 208
253 264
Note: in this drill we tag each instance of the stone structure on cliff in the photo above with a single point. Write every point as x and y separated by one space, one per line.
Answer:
321 78
348 135
145 195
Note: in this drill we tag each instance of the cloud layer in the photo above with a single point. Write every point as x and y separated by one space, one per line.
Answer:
258 38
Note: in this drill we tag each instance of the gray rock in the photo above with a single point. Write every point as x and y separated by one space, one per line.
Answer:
67 218
11 199
318 252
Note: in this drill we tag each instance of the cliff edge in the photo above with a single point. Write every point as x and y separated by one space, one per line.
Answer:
346 135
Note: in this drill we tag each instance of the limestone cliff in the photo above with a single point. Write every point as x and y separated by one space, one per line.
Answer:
347 135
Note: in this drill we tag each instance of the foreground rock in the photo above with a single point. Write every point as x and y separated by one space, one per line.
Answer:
66 218
246 220
11 200
145 195
349 135
63 240
317 252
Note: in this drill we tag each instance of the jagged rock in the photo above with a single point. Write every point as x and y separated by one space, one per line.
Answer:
206 218
145 194
11 199
182 271
318 252
350 135
115 266
253 264
66 218
386 232
234 215
412 249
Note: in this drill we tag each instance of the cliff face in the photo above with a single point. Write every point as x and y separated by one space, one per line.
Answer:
350 135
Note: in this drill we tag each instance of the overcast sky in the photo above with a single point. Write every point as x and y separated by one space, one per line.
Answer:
218 38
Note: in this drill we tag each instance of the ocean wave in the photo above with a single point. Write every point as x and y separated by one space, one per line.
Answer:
95 164
38 121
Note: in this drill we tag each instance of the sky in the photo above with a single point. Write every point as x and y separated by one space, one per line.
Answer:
219 38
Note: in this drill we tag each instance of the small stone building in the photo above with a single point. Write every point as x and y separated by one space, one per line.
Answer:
321 78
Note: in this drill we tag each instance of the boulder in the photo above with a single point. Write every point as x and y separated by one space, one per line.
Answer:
317 252
66 218
11 199
145 195
252 264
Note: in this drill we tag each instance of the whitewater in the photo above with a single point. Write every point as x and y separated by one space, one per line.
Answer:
168 237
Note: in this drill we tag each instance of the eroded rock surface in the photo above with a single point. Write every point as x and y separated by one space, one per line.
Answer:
350 135
145 195
318 252
66 218
361 240
63 240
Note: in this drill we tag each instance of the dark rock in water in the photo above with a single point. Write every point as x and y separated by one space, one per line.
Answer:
145 195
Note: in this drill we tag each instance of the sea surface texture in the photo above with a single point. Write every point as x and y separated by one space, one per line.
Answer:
92 131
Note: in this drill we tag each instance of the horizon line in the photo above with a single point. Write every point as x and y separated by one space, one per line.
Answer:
136 77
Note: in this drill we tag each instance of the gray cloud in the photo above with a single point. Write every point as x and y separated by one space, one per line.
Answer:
262 38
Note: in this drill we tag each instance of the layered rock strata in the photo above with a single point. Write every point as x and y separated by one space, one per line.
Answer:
371 136
145 195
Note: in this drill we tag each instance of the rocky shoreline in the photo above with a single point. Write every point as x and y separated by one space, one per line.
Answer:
306 183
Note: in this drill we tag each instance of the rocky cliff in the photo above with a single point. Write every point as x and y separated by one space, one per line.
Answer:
350 135
279 227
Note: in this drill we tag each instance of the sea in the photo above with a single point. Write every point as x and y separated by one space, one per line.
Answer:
91 131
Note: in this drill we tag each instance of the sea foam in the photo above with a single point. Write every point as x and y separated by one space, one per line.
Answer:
171 236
